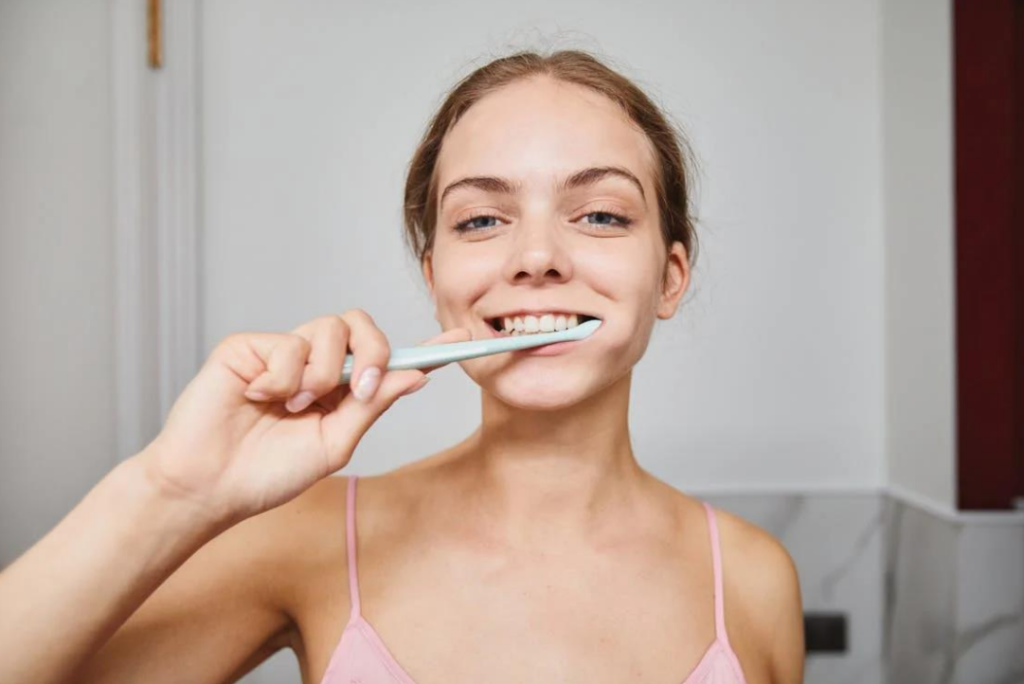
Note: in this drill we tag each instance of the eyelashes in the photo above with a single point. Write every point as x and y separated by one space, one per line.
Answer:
465 227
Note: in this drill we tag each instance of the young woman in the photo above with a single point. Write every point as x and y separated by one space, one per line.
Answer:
536 549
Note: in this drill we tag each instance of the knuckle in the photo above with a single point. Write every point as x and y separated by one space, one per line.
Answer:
384 349
336 324
231 340
379 352
339 331
330 321
233 349
299 343
358 314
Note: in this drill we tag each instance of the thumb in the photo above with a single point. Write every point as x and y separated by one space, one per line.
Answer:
345 426
447 337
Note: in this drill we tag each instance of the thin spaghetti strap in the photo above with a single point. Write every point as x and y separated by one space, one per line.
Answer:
350 536
716 557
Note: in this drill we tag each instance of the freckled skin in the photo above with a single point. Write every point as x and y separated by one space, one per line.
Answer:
539 536
535 549
543 247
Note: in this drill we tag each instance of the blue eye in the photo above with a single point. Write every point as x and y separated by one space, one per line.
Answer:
623 221
464 226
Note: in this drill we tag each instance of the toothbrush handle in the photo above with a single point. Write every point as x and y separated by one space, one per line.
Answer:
439 354
432 355
420 357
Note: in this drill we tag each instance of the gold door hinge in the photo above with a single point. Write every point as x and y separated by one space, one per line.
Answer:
155 31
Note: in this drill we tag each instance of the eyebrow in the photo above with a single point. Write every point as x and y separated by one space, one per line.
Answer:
579 179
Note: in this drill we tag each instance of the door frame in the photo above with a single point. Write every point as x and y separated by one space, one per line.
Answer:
156 214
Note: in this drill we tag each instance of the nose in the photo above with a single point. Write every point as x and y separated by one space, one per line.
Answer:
539 254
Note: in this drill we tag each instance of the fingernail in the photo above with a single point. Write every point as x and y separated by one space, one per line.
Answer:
257 396
367 383
417 387
300 401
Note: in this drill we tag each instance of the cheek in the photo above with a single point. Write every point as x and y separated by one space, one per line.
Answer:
628 286
460 282
457 261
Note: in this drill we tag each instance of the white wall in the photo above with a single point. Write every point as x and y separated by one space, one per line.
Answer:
770 377
775 365
56 291
774 375
920 270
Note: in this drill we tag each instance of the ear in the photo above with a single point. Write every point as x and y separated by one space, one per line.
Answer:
427 264
675 280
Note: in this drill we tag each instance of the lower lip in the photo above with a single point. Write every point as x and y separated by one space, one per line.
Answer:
550 349
546 349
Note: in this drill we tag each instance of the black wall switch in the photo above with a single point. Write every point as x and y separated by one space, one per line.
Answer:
825 632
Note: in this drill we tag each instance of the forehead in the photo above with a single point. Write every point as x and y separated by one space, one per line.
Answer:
538 129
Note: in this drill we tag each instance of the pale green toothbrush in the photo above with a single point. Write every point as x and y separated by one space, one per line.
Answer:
437 354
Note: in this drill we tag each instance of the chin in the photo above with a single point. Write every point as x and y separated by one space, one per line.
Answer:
537 392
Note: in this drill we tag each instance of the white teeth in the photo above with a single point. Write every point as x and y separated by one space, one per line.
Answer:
524 325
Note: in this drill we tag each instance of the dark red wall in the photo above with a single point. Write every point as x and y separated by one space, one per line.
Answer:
989 170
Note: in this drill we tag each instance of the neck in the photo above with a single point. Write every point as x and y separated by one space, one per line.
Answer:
538 477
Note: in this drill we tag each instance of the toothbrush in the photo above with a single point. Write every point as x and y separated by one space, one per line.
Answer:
437 354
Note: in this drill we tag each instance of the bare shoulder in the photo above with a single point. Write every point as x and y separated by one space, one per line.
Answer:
308 533
303 520
762 565
300 540
762 585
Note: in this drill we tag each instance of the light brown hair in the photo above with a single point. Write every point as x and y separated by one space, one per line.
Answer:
672 151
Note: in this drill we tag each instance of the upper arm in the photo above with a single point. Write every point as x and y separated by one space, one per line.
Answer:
222 612
768 586
786 620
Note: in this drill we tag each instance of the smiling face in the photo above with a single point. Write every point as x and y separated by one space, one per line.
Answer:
548 205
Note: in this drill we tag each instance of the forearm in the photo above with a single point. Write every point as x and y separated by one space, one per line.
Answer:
68 594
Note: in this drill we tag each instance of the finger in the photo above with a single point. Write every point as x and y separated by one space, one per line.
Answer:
447 337
245 353
328 337
285 358
330 401
346 425
370 352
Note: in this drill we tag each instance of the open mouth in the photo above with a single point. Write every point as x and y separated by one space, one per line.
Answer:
541 323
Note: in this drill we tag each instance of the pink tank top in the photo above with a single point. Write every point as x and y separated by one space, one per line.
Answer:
361 656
